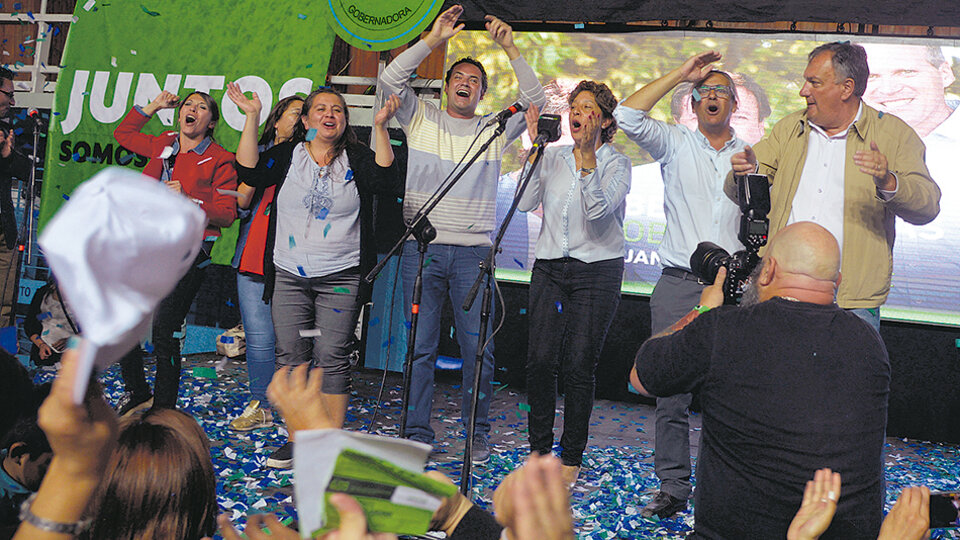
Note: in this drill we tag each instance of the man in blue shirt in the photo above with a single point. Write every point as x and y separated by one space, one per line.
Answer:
694 165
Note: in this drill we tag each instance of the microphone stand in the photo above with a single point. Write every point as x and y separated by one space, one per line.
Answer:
486 276
424 233
25 237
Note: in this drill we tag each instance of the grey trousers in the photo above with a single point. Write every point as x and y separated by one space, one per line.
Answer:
673 298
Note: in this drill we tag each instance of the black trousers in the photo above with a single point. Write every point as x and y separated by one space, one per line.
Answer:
572 304
167 320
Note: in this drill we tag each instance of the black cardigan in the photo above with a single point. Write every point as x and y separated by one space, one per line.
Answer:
369 177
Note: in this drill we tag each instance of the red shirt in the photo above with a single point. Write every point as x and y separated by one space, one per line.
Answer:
200 174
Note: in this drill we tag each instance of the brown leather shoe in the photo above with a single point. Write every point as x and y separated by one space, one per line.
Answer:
569 473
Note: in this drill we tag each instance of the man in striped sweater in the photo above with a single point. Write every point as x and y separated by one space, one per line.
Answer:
464 219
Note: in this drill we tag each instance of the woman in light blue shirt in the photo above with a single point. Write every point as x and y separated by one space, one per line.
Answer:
575 287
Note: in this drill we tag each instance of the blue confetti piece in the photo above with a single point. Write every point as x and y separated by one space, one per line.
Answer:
578 26
293 243
76 156
226 339
516 260
229 302
559 307
400 200
409 325
476 334
148 12
300 269
374 321
311 133
349 176
523 311
326 230
879 114
323 214
388 342
335 310
148 347
66 197
270 163
696 95
451 332
301 16
204 264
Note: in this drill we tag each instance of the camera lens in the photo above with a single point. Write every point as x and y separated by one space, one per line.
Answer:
707 259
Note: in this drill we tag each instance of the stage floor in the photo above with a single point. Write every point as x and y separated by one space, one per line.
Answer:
616 481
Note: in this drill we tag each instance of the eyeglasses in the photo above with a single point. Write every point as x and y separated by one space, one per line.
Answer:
8 94
721 91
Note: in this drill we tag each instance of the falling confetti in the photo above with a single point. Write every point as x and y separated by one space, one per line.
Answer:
148 12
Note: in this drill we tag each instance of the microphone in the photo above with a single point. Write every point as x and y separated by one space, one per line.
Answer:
507 113
34 115
548 129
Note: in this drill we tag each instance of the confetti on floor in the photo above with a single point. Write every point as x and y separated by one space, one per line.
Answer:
616 481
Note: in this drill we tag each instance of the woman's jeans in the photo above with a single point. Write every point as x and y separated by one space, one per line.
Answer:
258 330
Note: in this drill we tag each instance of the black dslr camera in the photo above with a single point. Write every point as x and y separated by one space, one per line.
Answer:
754 196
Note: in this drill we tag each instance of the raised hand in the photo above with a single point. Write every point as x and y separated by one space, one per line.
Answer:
249 106
500 32
532 115
909 519
817 508
744 162
445 27
165 100
296 394
389 109
6 146
82 436
541 502
255 528
591 132
874 163
697 66
353 523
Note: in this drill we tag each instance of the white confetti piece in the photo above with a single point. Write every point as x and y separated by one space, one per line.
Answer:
314 332
167 152
202 161
113 61
230 192
133 52
89 5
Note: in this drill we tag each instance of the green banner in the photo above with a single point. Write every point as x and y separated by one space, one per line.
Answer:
380 25
121 54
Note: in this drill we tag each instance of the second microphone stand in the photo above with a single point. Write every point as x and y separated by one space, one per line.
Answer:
485 277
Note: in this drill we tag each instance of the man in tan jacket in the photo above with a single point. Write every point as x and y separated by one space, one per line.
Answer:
848 167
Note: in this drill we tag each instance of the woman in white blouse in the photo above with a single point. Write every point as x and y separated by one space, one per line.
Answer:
575 287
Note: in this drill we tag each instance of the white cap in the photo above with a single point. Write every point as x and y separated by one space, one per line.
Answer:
117 247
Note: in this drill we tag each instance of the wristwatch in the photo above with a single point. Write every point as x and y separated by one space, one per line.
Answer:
44 524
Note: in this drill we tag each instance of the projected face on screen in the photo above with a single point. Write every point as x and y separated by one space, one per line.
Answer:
909 81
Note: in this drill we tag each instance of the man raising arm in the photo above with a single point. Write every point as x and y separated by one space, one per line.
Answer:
464 219
694 164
